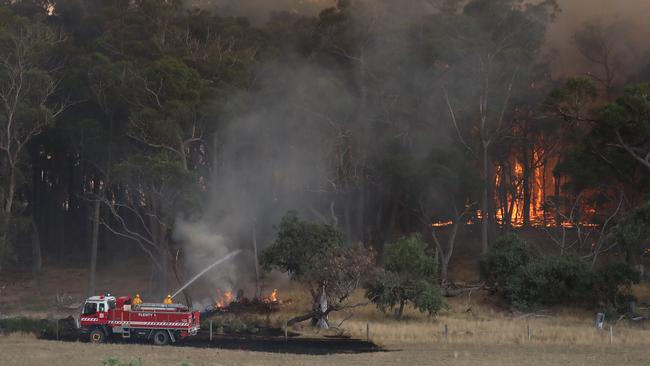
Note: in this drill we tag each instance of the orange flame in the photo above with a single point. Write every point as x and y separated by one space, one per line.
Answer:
272 298
223 301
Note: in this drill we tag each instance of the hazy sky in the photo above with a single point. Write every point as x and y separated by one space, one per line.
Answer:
632 14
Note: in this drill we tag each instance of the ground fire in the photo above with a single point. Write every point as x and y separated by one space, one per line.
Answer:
227 302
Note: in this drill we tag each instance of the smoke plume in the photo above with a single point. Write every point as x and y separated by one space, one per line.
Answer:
303 126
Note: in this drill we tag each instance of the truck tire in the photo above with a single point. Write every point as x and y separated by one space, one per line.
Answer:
161 338
97 335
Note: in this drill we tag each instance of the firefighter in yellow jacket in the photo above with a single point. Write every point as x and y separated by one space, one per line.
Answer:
137 300
168 300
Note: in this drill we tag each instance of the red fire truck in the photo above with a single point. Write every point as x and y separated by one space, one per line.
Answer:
105 316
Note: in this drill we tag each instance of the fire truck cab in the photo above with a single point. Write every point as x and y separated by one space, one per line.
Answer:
105 316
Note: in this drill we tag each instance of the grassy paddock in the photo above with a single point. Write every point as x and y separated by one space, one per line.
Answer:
484 325
485 336
20 349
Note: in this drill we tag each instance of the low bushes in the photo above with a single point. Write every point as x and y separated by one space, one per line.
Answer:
527 280
409 276
26 325
508 254
44 328
549 281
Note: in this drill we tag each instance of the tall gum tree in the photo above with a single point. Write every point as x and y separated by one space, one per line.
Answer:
27 103
486 48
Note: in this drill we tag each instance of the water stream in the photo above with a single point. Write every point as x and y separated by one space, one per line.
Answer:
227 257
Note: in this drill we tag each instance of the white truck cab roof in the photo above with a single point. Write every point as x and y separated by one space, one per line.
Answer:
101 298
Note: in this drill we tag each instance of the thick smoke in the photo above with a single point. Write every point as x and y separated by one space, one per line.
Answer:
291 148
274 159
287 150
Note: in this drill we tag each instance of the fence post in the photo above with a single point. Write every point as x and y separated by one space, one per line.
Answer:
611 335
286 331
446 333
368 331
210 330
530 334
57 329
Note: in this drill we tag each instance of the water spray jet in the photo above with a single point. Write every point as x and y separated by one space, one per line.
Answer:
206 269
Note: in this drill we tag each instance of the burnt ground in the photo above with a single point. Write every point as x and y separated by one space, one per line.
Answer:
271 340
291 345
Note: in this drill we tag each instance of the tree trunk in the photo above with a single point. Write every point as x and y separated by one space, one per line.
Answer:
322 307
558 218
361 211
11 188
400 311
526 182
444 270
258 290
93 248
102 193
484 202
37 262
164 268
7 209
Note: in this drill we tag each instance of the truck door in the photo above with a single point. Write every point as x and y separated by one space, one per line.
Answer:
89 313
102 312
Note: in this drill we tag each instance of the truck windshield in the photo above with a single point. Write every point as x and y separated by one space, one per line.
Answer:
90 308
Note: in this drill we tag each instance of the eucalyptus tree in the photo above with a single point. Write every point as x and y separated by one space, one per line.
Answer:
484 52
28 100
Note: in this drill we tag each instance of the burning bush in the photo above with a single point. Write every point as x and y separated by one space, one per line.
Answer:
228 302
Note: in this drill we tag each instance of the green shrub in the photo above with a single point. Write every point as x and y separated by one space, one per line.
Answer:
409 276
613 282
568 280
508 254
27 325
550 281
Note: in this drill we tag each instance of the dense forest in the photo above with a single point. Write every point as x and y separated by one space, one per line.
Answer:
158 128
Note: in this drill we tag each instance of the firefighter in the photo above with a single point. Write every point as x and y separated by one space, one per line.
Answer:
137 300
168 300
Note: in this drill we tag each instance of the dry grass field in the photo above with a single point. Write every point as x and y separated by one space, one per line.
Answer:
25 350
486 335
483 337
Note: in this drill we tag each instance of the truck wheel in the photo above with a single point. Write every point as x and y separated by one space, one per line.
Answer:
97 336
161 338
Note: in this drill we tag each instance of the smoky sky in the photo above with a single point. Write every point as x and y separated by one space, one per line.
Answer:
277 155
628 17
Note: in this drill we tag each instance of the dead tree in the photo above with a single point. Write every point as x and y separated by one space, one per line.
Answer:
331 283
588 235
597 43
445 251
